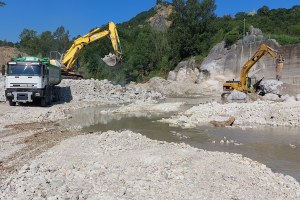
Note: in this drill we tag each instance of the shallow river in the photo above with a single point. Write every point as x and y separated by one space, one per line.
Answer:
276 147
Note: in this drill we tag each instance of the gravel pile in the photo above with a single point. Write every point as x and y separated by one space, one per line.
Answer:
126 165
104 91
100 91
178 88
258 112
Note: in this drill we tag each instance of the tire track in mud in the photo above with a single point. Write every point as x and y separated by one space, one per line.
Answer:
44 136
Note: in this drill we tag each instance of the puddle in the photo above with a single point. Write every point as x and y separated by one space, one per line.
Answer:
276 147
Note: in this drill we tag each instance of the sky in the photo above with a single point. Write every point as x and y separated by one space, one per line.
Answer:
79 16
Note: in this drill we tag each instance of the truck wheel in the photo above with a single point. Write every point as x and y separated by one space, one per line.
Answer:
56 96
50 100
11 103
43 102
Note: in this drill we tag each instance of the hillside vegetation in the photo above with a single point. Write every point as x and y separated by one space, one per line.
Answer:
149 51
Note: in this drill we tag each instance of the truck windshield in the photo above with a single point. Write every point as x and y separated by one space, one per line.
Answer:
24 70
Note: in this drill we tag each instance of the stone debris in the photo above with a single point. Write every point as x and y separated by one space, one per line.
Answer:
237 95
258 112
126 165
271 86
228 122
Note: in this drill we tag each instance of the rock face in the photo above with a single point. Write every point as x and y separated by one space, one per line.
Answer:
6 53
229 62
160 20
185 71
186 78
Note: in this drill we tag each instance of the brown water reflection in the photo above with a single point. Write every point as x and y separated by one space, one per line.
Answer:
276 147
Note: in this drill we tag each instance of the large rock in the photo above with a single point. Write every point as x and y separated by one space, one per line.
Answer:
271 86
214 62
237 95
298 97
185 71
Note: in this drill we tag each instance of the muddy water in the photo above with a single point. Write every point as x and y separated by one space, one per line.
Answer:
278 148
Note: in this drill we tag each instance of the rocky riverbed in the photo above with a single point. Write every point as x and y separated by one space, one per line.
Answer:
126 165
245 114
42 159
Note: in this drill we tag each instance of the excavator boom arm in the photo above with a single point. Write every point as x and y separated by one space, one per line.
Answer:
263 50
115 40
70 57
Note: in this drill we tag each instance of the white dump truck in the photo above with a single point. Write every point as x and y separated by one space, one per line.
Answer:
31 79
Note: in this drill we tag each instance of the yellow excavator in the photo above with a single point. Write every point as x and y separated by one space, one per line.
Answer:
244 84
67 61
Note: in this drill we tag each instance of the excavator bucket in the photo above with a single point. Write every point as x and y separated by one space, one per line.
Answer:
110 59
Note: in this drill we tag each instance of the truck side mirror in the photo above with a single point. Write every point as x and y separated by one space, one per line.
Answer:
3 70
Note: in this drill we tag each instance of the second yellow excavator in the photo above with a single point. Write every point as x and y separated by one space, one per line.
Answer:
244 84
67 60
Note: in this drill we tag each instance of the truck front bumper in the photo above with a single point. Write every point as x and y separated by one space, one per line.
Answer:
23 95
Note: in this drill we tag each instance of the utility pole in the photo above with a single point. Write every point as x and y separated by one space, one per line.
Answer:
242 52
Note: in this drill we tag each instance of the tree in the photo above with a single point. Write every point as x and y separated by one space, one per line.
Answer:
61 38
263 10
190 24
2 3
29 41
46 43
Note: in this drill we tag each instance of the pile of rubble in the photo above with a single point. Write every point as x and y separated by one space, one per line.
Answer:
104 91
126 165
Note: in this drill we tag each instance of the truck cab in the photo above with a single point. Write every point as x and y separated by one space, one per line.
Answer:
30 79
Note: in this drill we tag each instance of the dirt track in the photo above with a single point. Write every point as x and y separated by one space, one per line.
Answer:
21 143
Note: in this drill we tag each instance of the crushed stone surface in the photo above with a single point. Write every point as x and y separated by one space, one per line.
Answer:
126 165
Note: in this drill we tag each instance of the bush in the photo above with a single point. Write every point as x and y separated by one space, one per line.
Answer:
231 37
286 39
